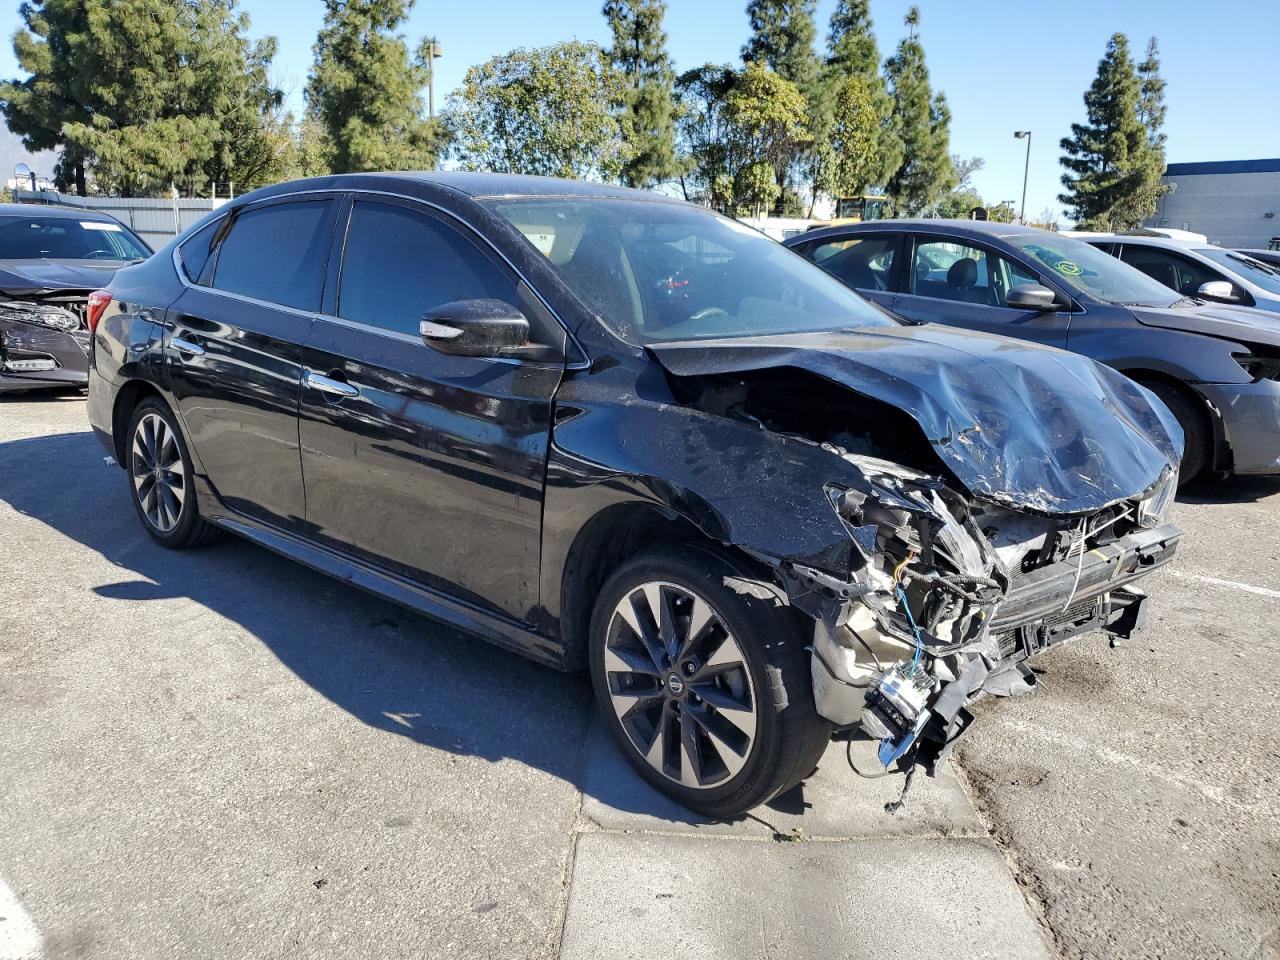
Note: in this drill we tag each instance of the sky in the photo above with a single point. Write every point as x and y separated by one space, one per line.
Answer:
1004 65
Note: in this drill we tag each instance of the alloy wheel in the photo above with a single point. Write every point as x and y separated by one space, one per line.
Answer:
680 685
159 475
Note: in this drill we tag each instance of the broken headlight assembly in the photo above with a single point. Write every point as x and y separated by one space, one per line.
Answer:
1154 509
39 313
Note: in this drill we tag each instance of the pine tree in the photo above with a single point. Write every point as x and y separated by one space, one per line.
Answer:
782 38
922 123
1113 168
852 52
639 54
366 90
146 95
1151 106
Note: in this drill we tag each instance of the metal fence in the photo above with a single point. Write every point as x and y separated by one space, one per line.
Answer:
154 220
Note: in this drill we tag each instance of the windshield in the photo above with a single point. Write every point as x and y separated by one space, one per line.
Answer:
665 271
1088 270
68 238
1264 275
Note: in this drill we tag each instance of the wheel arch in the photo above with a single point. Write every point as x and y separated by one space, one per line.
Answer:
127 399
1220 449
605 541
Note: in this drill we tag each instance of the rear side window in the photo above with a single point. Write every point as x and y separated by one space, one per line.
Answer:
399 263
277 254
862 262
194 252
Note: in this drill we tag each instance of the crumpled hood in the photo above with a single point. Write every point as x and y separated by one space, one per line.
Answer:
1244 324
1026 426
34 275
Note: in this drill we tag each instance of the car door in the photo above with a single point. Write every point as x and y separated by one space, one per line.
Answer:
867 262
961 283
426 464
233 343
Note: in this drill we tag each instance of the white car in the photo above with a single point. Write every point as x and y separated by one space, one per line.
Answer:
1196 269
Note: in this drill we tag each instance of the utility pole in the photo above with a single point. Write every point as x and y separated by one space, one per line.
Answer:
1026 166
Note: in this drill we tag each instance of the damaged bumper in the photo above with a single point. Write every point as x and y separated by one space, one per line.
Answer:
41 346
953 597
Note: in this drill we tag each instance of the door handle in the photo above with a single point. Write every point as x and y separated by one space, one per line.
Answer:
339 388
187 347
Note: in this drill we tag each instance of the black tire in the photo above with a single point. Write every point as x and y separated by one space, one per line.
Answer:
1190 414
790 737
178 529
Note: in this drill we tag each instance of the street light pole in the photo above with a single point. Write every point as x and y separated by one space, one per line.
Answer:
432 50
1026 167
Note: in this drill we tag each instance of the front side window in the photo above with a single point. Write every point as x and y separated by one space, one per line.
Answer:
68 238
862 262
277 253
399 263
655 271
946 270
1088 271
1176 272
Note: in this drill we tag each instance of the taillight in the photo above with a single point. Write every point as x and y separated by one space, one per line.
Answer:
98 301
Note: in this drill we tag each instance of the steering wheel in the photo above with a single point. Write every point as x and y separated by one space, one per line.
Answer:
707 312
101 255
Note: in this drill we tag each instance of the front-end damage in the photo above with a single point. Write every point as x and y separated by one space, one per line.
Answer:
994 499
949 596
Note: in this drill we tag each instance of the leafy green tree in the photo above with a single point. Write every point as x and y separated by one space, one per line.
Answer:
1113 170
849 154
639 54
547 111
145 95
366 90
767 118
921 121
705 136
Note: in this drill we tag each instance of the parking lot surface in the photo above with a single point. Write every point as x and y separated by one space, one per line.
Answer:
221 753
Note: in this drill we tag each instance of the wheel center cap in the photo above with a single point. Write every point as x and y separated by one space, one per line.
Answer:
675 684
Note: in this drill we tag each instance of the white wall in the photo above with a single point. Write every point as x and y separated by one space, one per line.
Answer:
1229 208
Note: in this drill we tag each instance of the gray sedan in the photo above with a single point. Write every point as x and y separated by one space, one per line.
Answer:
1216 367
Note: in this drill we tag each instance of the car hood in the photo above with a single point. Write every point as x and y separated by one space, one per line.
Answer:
1025 426
31 276
1229 323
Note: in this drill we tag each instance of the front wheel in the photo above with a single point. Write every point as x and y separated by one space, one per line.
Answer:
1190 414
701 672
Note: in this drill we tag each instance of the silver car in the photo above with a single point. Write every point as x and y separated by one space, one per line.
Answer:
1199 270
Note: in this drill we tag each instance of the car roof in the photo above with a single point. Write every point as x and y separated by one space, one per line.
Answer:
977 229
1146 240
477 186
55 210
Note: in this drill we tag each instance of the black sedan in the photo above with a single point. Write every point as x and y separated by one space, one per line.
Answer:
1216 367
606 429
51 260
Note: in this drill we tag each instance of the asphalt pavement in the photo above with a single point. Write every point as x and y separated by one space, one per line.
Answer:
219 753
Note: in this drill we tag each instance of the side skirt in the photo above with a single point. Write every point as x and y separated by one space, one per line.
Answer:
497 630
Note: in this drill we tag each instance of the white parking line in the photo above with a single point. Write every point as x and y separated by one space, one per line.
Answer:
1233 584
19 937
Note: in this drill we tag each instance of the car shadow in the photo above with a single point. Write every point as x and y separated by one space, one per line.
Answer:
392 669
1212 490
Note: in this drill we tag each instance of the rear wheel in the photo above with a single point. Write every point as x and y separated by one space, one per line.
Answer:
160 479
1190 414
701 673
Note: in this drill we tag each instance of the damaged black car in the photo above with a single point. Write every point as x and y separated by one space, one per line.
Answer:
610 430
51 261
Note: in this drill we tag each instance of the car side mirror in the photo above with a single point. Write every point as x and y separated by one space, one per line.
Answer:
475 328
1031 296
1223 290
